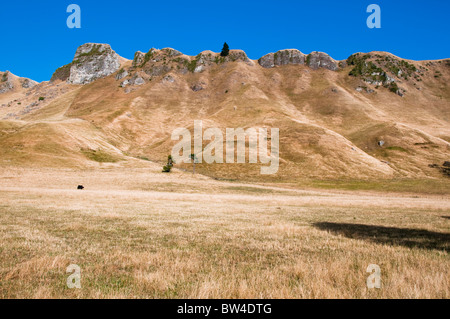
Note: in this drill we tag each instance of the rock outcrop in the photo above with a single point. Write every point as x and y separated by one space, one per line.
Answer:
156 62
314 60
6 83
138 59
209 58
317 60
121 74
136 79
9 82
283 57
91 62
385 70
154 56
27 83
160 62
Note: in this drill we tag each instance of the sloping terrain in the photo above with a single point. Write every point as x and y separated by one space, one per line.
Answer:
373 116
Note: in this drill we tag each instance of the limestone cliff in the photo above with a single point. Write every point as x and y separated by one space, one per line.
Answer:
91 62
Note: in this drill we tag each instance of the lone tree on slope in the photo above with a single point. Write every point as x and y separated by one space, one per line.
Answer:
168 167
225 50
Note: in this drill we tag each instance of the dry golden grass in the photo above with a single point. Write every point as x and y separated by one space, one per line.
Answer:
138 233
328 130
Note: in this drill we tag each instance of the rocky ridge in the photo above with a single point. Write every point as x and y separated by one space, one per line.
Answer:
314 60
9 82
91 62
94 61
319 102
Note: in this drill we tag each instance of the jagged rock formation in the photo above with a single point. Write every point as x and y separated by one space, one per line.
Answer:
384 70
5 83
27 83
283 57
153 56
91 62
372 72
314 60
154 63
138 59
136 79
317 60
209 58
9 82
121 74
159 62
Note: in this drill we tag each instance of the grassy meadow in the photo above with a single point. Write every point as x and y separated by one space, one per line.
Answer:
138 233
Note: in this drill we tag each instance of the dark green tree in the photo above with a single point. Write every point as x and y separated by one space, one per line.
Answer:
168 167
225 50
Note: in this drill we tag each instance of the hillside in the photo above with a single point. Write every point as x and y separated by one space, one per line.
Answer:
332 115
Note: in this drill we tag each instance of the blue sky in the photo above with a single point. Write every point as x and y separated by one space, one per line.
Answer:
36 40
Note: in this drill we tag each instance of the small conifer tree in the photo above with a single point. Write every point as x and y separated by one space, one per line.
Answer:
225 50
168 167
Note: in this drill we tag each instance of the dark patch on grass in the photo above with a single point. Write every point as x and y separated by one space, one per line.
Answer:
250 189
425 186
99 156
396 148
408 237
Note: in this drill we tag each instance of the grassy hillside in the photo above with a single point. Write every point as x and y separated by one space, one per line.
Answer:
330 121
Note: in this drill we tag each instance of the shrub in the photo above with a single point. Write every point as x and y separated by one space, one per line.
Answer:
62 73
5 77
149 55
191 66
308 59
393 87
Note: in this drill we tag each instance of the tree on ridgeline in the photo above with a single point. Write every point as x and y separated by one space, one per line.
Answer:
225 50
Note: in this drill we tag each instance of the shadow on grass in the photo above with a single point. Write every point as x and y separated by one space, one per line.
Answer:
446 217
390 235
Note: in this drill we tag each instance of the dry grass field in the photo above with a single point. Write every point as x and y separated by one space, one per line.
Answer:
361 181
138 233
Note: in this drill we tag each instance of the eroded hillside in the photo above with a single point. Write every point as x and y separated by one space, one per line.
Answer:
372 116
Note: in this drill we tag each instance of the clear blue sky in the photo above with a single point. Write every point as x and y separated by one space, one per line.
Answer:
35 39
